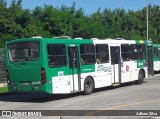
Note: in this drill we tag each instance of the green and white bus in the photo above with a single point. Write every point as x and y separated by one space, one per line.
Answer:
62 66
156 57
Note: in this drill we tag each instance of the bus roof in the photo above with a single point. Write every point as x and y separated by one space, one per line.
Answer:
88 41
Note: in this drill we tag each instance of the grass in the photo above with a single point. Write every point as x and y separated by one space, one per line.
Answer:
3 89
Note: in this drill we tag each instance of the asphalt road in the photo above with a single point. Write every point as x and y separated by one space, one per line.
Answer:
126 97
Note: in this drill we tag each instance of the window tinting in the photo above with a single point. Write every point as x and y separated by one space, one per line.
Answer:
87 54
134 52
23 51
56 55
159 54
155 52
125 52
115 54
141 52
102 54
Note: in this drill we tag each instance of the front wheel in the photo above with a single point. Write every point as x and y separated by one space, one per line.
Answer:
140 77
88 85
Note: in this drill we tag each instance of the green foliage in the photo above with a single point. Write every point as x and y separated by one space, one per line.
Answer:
51 21
3 89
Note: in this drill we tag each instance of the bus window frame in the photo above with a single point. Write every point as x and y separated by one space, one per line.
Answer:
136 52
65 55
128 52
142 52
84 54
155 56
98 59
11 59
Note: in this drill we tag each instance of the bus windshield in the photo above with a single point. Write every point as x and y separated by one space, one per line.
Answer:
23 51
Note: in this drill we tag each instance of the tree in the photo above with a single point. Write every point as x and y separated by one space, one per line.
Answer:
49 21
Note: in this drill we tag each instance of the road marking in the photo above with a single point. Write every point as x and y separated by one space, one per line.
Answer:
120 106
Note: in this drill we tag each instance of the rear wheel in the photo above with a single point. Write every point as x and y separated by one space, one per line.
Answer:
88 85
140 77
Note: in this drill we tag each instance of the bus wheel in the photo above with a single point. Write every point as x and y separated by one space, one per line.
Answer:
140 77
88 85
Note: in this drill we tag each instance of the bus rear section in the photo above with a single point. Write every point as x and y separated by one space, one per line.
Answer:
23 66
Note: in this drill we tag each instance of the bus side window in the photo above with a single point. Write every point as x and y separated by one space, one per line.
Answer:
87 52
155 52
141 52
133 51
159 54
56 55
102 53
125 52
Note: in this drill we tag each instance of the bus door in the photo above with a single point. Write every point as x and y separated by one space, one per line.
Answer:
116 64
150 60
74 69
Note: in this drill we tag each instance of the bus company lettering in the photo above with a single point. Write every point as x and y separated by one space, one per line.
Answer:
103 68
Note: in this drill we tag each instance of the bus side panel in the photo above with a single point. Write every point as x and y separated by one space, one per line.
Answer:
103 75
57 76
126 67
156 64
133 70
61 84
47 87
87 70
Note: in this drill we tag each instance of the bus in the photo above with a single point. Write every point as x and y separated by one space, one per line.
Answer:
156 57
63 66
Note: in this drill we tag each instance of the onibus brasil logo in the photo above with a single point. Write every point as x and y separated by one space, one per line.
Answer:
21 113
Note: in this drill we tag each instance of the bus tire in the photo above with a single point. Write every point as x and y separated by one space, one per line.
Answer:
88 85
140 77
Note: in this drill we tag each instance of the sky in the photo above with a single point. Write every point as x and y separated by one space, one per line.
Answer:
90 6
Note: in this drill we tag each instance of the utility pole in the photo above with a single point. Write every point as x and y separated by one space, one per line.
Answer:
147 21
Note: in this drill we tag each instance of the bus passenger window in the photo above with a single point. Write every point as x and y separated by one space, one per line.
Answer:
155 51
133 50
102 53
56 55
125 52
141 52
87 54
